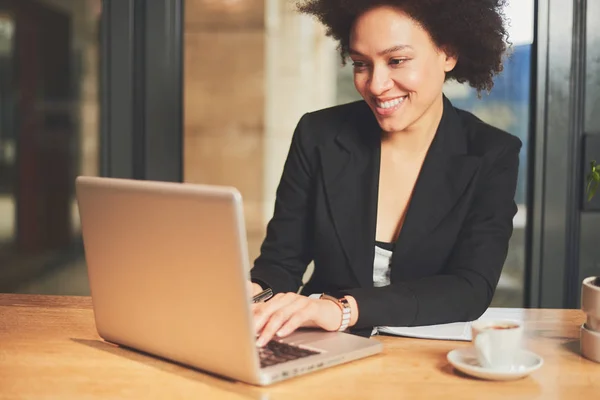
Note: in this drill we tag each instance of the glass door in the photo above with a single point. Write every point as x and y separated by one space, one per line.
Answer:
509 107
49 133
7 136
87 87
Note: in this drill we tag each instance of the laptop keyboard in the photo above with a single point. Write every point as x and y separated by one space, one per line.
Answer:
278 352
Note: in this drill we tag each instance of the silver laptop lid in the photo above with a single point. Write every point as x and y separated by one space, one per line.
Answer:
168 265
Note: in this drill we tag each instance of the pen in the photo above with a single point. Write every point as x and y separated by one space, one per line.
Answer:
263 296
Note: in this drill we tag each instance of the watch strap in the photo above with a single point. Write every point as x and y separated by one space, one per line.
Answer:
344 306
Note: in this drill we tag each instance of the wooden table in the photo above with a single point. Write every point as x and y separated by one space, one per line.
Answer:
49 348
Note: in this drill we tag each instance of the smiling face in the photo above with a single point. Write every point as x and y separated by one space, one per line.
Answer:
398 70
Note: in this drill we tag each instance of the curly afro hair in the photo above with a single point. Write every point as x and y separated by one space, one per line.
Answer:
473 30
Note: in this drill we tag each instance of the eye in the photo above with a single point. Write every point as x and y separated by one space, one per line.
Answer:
359 65
397 61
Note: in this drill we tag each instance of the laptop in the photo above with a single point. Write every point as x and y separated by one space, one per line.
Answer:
168 267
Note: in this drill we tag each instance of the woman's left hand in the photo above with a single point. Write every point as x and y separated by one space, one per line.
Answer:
286 312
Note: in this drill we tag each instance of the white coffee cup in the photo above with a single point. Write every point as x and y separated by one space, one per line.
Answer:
592 324
497 342
590 302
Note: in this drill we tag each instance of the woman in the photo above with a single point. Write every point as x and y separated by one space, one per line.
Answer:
404 203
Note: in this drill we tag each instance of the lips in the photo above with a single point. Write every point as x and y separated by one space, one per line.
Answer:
389 103
389 106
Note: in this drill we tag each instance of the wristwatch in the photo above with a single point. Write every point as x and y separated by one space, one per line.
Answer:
344 306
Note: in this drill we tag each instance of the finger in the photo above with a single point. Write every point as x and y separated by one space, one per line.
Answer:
278 319
302 317
263 311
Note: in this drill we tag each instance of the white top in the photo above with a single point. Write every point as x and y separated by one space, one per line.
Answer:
381 271
381 267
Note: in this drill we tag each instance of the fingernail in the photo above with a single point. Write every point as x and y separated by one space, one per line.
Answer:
280 333
260 342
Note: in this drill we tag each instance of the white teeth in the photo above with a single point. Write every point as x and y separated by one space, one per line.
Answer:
391 103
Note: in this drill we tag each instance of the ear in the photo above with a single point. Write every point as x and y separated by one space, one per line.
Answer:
450 60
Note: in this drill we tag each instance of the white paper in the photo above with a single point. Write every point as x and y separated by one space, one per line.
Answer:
455 330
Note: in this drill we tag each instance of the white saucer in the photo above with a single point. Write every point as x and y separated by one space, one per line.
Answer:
465 360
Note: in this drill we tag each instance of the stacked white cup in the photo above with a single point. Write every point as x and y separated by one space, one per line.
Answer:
590 330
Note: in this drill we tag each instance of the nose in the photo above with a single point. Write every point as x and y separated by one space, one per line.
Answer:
381 81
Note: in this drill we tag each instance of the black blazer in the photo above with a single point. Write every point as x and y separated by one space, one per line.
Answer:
454 240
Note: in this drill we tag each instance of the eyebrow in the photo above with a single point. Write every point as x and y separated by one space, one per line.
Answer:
383 52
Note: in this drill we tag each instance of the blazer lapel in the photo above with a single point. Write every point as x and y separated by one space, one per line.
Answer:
351 178
445 174
351 175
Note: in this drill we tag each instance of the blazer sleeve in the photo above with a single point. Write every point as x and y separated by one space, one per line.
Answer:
465 288
287 248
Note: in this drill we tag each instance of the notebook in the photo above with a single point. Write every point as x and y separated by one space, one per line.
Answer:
455 330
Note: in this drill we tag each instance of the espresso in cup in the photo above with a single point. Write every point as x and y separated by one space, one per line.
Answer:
505 326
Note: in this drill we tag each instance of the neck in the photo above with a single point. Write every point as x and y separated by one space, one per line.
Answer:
416 138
